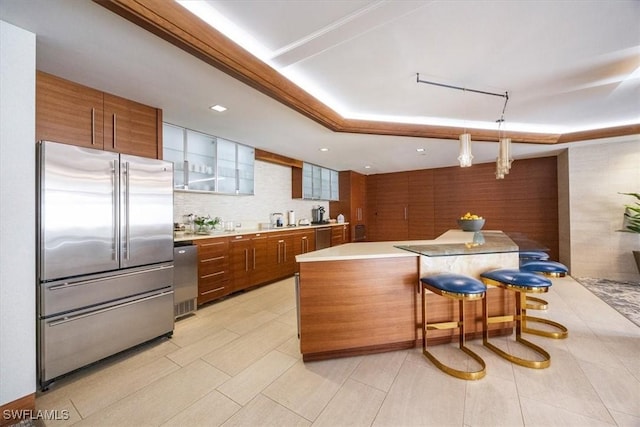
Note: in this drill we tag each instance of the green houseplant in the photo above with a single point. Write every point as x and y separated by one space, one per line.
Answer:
631 222
632 214
205 223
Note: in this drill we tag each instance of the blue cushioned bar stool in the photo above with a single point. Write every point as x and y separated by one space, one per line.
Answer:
549 269
520 283
545 267
456 287
534 303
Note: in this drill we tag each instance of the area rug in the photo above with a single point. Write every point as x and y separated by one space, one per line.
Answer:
622 296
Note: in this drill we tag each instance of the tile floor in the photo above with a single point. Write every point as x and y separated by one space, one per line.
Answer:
237 363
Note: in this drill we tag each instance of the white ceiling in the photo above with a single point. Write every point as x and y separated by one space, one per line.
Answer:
567 66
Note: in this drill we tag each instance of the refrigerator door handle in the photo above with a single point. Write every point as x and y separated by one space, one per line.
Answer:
127 236
67 319
114 214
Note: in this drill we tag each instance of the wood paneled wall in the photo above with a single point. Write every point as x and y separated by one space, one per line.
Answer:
525 202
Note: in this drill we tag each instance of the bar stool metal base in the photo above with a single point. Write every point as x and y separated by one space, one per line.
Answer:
520 318
465 375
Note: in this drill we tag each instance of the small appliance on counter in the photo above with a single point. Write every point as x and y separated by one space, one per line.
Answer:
276 219
291 219
317 216
304 221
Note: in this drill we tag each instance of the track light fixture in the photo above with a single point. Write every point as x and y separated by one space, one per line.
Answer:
466 158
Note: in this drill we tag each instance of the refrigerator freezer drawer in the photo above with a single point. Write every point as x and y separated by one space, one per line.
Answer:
71 342
68 295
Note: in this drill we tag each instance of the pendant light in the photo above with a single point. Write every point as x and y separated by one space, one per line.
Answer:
465 158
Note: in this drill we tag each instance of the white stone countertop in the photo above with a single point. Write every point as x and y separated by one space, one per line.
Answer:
185 237
365 250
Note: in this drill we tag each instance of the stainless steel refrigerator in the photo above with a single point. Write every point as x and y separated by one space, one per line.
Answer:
105 255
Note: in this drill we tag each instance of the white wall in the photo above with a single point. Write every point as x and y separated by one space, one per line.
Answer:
17 213
597 173
272 194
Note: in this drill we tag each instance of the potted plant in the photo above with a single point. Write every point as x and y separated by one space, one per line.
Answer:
205 223
631 222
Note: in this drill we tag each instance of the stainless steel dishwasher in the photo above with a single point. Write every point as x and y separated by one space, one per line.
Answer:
185 278
323 237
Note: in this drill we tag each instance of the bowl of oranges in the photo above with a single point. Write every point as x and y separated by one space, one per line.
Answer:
471 222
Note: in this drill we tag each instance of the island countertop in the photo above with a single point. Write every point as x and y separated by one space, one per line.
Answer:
452 242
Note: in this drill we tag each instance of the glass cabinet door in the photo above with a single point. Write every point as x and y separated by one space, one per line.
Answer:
307 181
201 160
226 166
246 160
207 163
325 184
335 187
173 151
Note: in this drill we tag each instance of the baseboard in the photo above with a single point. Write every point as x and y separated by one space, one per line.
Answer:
14 412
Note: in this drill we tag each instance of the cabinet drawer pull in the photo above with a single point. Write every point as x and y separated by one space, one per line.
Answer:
217 273
212 291
212 244
212 259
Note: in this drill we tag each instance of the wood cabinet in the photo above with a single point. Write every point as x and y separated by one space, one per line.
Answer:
391 215
213 269
352 203
131 127
248 260
402 204
74 114
282 258
339 235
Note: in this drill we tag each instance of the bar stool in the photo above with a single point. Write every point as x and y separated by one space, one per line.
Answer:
545 267
520 283
549 269
534 303
456 287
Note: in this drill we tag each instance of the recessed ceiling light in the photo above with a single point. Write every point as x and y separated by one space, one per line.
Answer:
420 150
367 167
324 149
218 108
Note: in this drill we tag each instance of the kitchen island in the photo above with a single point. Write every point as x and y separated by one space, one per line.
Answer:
363 298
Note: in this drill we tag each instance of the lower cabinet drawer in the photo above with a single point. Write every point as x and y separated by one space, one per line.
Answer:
210 289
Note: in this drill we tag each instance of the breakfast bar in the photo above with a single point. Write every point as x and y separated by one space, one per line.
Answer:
361 298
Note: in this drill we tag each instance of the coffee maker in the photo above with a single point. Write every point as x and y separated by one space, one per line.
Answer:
317 215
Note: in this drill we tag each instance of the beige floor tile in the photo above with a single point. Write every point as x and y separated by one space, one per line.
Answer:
291 347
618 389
248 383
202 324
355 404
379 370
68 415
563 385
492 401
247 349
306 388
539 414
290 317
625 420
109 389
212 410
251 322
187 354
422 395
264 412
161 400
